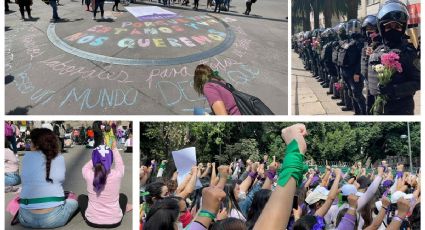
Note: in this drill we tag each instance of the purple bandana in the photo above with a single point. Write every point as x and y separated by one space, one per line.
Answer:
103 155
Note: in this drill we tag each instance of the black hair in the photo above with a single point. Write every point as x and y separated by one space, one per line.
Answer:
100 175
155 190
415 218
162 215
230 223
230 202
258 203
305 223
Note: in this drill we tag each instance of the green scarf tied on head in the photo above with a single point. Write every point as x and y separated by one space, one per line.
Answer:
292 166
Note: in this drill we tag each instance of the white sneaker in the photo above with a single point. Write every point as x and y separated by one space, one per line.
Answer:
94 18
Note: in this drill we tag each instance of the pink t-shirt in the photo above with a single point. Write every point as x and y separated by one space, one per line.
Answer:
11 162
214 92
105 208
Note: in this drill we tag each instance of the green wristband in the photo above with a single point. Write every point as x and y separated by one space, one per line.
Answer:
162 166
293 165
205 213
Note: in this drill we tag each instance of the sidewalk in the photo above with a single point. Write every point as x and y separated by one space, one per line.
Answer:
75 159
309 98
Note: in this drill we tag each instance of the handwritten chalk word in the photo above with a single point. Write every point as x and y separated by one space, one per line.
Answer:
32 48
242 43
103 98
65 68
244 75
168 73
219 64
174 93
24 86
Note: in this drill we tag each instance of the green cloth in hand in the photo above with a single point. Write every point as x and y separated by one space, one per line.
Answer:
293 165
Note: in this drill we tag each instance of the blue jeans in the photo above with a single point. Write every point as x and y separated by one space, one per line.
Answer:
58 217
12 178
54 6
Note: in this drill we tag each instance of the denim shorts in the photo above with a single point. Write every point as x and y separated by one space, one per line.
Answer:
58 217
12 178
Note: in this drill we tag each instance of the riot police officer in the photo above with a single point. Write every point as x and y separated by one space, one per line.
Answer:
329 38
396 97
372 40
349 60
346 100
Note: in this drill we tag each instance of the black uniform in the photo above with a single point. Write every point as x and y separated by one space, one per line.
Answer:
395 97
403 86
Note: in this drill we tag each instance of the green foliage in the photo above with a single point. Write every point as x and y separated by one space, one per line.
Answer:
224 141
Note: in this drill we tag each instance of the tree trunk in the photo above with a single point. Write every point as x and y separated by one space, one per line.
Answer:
306 20
316 14
327 14
353 7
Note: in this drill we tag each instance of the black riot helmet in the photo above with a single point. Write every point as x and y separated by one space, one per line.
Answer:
353 27
341 30
329 34
307 35
392 12
370 21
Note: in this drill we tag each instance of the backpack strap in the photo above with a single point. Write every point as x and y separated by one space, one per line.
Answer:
226 85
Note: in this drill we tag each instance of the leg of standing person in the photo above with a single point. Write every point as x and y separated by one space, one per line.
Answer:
21 9
6 5
101 4
28 8
54 6
12 141
123 200
96 5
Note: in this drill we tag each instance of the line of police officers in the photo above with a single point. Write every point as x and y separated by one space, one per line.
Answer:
342 59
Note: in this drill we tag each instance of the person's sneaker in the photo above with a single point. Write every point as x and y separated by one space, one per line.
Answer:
329 93
94 18
334 97
102 18
340 103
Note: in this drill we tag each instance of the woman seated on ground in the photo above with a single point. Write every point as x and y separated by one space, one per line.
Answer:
11 169
105 206
43 203
219 98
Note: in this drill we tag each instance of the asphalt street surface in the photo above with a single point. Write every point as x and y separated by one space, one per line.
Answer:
121 65
75 159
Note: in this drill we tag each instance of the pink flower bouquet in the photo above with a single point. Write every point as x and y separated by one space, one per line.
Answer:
390 64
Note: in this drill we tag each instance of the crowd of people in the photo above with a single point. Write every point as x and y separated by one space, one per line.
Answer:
273 195
38 179
370 66
95 5
18 134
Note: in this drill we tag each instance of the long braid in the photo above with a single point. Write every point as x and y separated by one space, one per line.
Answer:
48 143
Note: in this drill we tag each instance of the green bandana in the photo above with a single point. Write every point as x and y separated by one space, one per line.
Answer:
292 166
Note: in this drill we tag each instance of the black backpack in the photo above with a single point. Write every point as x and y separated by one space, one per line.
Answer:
247 104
